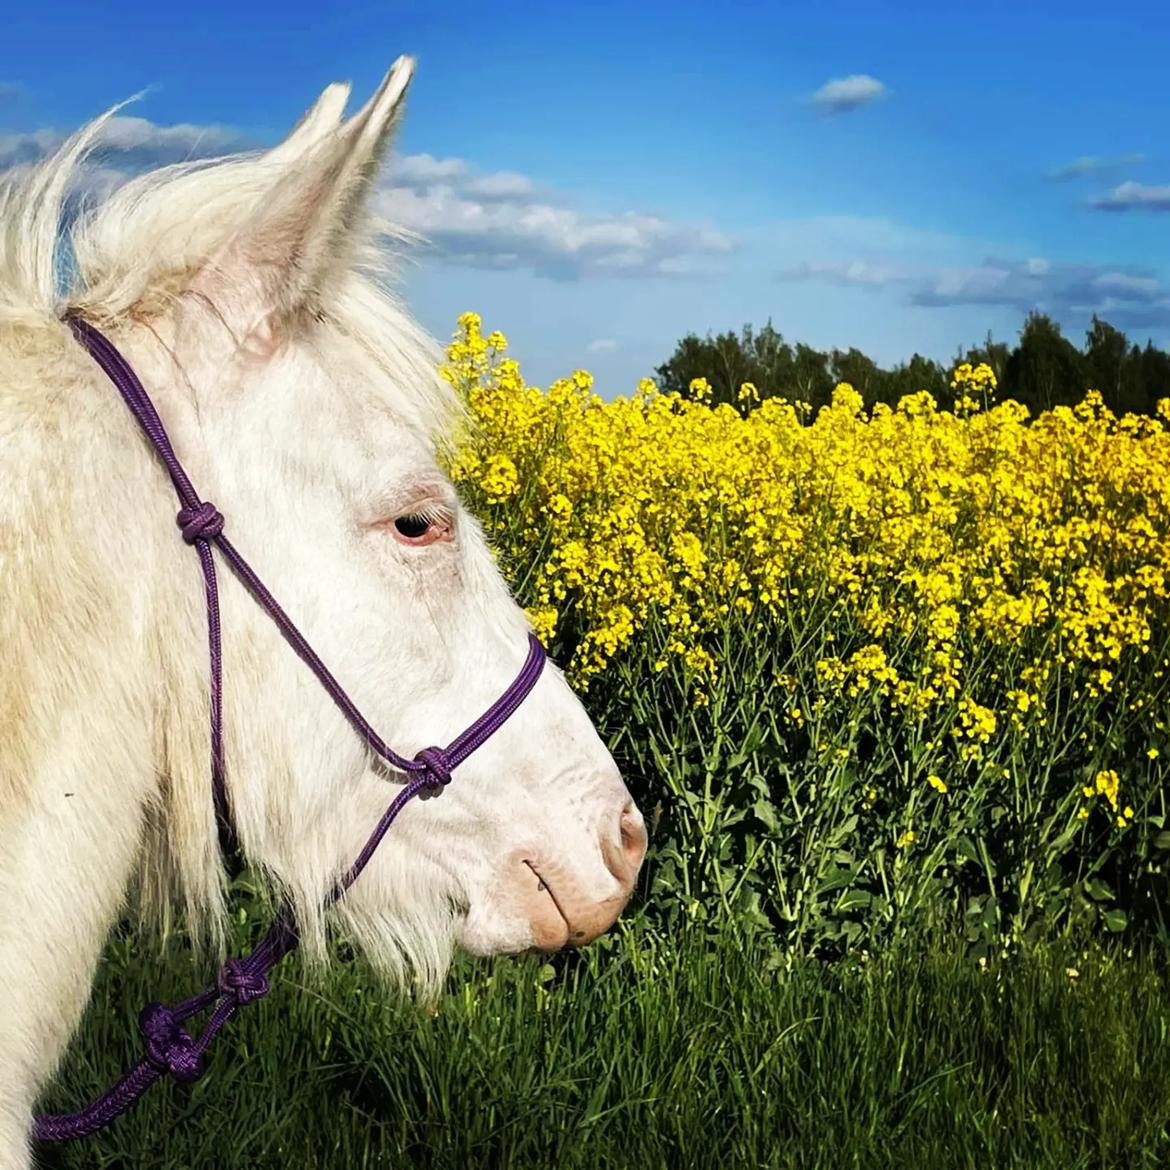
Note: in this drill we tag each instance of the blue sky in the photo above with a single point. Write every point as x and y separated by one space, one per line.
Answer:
598 179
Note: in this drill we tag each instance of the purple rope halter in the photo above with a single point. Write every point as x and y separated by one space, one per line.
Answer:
169 1048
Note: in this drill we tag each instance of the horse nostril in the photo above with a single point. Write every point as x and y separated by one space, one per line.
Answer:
633 836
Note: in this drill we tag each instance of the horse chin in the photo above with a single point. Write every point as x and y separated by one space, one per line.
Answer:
520 913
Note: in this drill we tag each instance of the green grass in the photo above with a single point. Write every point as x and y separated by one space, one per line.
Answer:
647 1051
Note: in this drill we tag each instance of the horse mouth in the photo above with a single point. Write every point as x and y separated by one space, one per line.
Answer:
564 931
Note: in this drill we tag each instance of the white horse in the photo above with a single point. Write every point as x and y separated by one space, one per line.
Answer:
303 402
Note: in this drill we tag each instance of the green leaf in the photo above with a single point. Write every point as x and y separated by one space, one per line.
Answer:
965 848
766 815
854 900
837 879
1115 920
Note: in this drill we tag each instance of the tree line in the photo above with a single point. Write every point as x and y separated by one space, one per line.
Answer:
1044 369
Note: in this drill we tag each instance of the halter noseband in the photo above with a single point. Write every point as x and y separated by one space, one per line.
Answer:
169 1048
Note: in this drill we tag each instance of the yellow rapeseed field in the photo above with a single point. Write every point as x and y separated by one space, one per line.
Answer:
925 526
998 585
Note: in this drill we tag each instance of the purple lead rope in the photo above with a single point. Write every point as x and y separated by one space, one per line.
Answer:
169 1047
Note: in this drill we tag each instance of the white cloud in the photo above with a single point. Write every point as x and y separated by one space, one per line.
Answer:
26 148
1125 297
494 219
421 170
127 133
137 143
500 220
1091 164
848 93
602 345
501 185
1133 196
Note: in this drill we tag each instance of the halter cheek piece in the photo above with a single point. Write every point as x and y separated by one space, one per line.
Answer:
169 1048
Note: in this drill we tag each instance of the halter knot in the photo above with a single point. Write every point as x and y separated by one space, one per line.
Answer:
435 761
168 1047
202 522
241 984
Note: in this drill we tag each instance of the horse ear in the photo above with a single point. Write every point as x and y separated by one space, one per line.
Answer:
324 117
280 262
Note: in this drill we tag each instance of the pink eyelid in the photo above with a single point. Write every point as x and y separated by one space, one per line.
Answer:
439 528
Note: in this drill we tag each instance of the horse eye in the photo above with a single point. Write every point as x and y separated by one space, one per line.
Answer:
412 527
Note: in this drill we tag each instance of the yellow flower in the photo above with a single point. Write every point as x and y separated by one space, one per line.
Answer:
845 398
1107 784
907 839
544 622
700 388
937 783
500 479
559 506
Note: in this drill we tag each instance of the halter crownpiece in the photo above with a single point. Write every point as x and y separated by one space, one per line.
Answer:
169 1047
